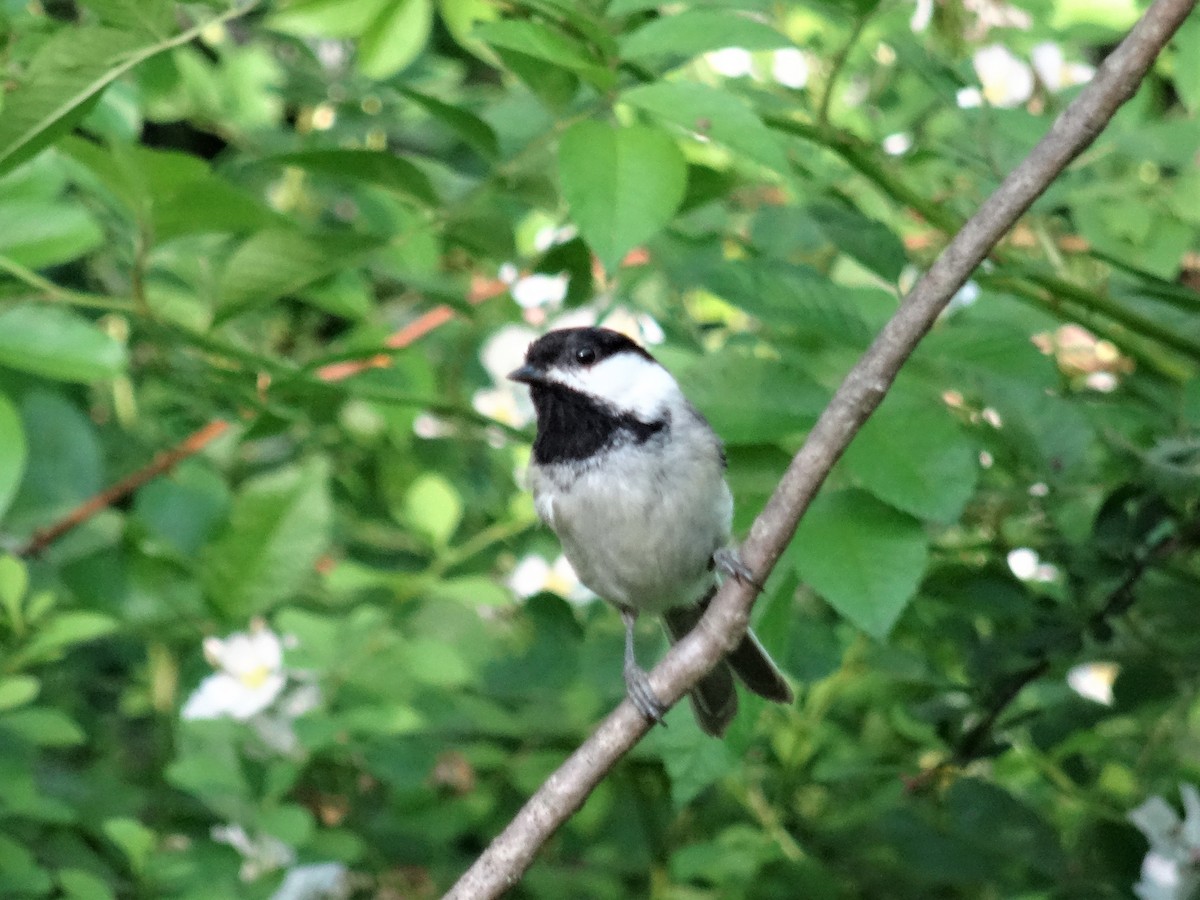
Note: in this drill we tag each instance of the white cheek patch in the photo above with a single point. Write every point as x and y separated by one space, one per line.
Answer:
628 381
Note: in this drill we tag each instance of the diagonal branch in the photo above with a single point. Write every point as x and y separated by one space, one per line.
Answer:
510 854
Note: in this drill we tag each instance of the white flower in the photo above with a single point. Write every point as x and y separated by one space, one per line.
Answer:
275 727
639 326
1094 681
732 62
500 354
969 98
789 67
1104 382
533 575
1027 566
249 675
260 855
897 144
332 55
921 16
317 881
1023 562
552 236
1171 870
1055 72
1007 81
540 290
994 14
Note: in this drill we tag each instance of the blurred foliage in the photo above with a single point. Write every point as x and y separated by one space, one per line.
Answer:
277 229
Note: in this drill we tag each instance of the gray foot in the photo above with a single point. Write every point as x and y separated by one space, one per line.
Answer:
730 563
637 682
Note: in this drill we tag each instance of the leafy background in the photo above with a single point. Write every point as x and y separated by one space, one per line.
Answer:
281 243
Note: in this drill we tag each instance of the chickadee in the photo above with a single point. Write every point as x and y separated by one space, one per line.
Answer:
631 478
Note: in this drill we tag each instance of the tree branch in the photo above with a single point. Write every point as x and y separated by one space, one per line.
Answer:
165 460
509 855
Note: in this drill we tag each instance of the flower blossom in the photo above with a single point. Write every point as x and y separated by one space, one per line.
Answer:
249 675
1094 681
533 575
1171 868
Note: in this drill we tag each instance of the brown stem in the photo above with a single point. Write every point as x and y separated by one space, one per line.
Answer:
162 462
509 855
481 290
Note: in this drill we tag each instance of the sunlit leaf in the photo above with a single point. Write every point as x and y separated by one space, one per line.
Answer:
865 558
696 31
55 342
278 528
622 184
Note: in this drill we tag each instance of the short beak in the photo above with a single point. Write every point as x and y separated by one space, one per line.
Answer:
527 374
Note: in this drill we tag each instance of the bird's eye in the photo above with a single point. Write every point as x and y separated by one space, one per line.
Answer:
586 356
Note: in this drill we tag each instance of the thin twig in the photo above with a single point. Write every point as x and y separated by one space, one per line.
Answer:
162 462
197 441
509 855
835 70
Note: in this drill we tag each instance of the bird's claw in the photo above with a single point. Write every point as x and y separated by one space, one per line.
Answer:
642 696
730 563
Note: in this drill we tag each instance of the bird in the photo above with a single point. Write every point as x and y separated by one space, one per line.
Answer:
631 478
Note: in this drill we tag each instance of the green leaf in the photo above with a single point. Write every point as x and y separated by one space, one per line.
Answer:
693 760
911 454
145 18
386 170
42 727
554 87
279 262
133 838
799 297
436 662
14 582
547 44
750 399
20 874
395 38
208 766
871 243
622 184
183 509
12 456
290 823
38 234
1187 63
327 18
697 31
63 466
55 342
468 126
83 885
17 690
713 115
279 526
61 632
433 507
60 84
864 558
381 720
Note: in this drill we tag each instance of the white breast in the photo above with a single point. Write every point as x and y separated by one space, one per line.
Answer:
640 523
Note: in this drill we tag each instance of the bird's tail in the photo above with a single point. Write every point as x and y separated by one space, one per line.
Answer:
714 700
